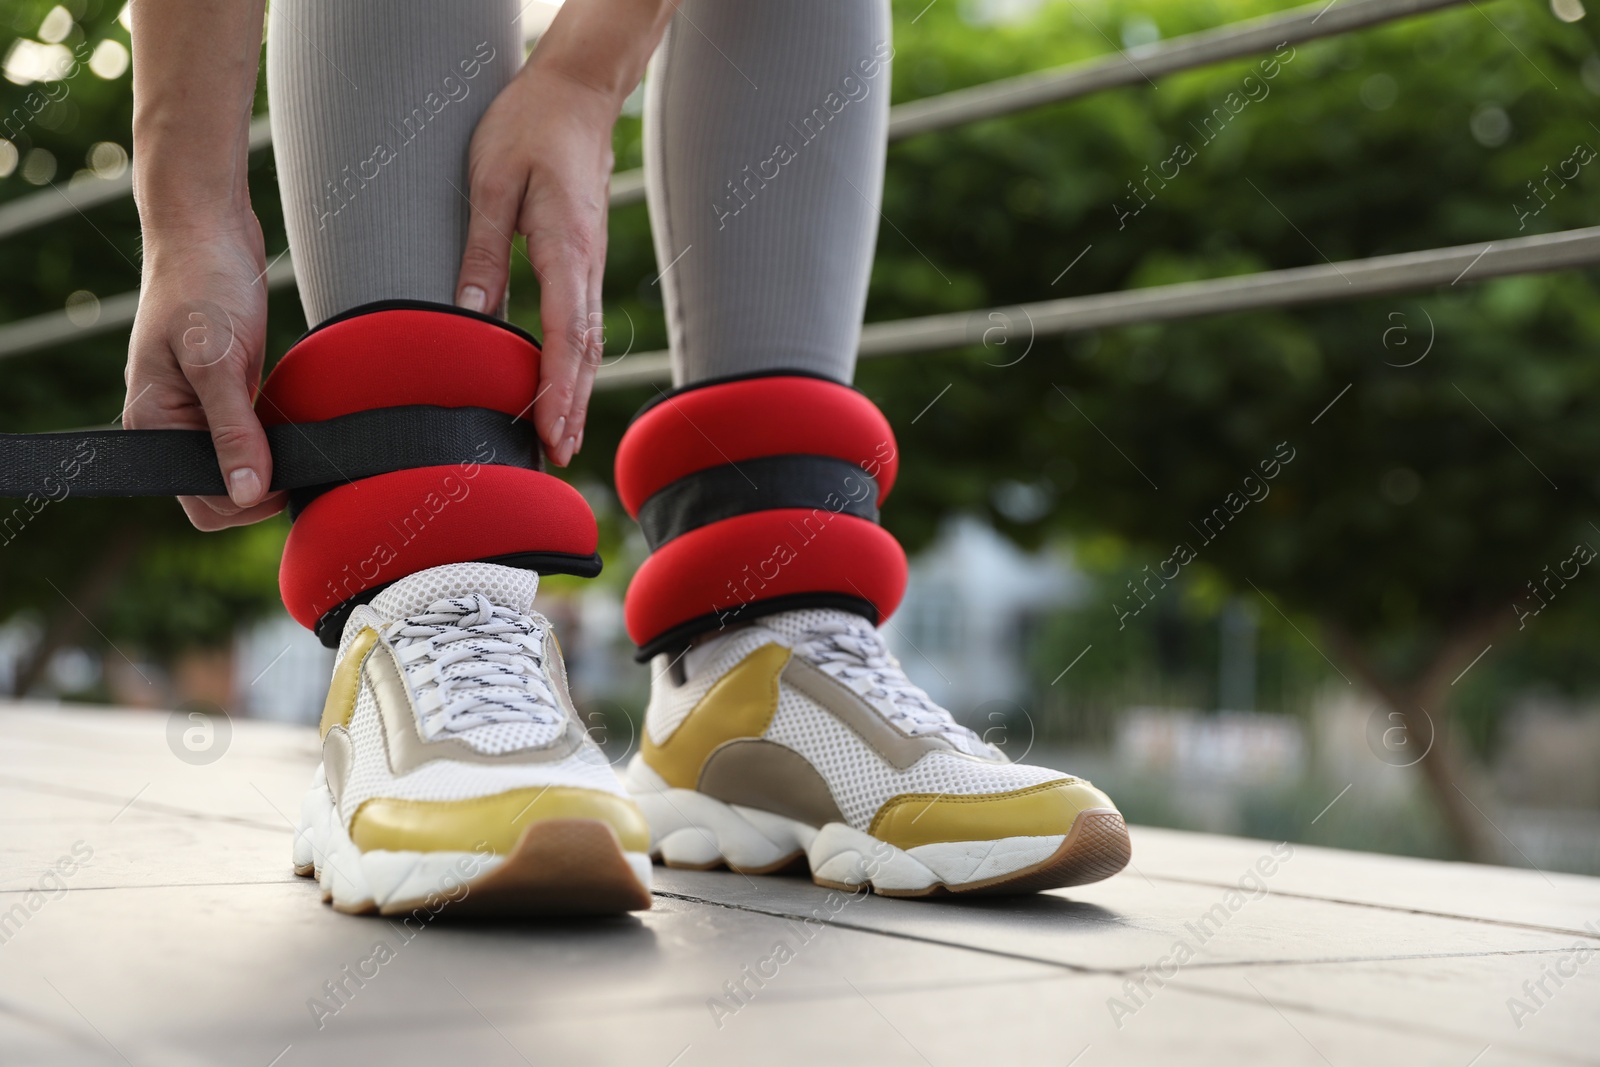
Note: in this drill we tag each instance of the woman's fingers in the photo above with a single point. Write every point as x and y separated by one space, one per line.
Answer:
594 344
236 432
207 513
540 165
562 259
215 363
191 375
496 199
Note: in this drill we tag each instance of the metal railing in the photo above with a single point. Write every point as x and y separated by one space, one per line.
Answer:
59 201
1281 288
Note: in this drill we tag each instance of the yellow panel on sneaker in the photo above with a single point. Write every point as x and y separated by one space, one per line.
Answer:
453 758
741 704
910 820
497 820
800 735
341 702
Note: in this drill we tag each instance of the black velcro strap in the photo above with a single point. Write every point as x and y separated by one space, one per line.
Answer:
764 484
312 454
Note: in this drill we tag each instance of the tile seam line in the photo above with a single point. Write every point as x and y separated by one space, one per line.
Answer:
149 806
293 880
1078 968
155 807
77 745
1376 1022
897 935
1334 961
1397 908
267 762
158 808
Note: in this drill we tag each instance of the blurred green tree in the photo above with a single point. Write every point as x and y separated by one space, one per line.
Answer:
130 573
1425 491
1433 454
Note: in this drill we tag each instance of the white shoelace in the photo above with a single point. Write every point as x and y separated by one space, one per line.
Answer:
855 651
472 662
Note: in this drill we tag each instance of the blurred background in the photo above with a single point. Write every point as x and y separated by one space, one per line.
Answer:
1389 644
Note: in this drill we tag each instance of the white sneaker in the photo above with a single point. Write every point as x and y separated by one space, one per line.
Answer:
455 768
800 737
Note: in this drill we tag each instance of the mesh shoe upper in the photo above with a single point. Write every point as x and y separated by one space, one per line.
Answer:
671 703
479 670
860 777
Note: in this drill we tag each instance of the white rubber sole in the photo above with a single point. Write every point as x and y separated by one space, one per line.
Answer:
565 866
692 830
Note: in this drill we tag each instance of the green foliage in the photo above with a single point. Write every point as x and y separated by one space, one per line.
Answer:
182 587
1405 511
194 589
1165 656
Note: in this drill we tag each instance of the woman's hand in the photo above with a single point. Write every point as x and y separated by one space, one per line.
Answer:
195 358
540 165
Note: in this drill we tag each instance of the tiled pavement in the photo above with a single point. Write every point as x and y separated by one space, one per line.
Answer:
175 933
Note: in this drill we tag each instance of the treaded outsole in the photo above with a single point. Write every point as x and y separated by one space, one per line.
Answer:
558 867
793 863
1096 848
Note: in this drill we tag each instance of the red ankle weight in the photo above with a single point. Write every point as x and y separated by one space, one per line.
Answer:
757 494
352 538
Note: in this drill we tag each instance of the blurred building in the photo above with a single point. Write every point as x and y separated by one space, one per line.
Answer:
962 630
280 672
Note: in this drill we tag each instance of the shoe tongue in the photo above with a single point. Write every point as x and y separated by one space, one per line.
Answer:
794 626
510 587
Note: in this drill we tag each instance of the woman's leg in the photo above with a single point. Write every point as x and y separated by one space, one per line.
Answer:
759 498
373 105
765 133
764 139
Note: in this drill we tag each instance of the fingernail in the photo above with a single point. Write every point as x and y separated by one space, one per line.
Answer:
473 299
244 487
557 430
564 453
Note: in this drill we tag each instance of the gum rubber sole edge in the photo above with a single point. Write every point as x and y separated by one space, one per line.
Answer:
694 831
558 867
1096 848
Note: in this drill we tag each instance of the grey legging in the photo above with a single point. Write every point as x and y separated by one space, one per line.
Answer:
764 143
